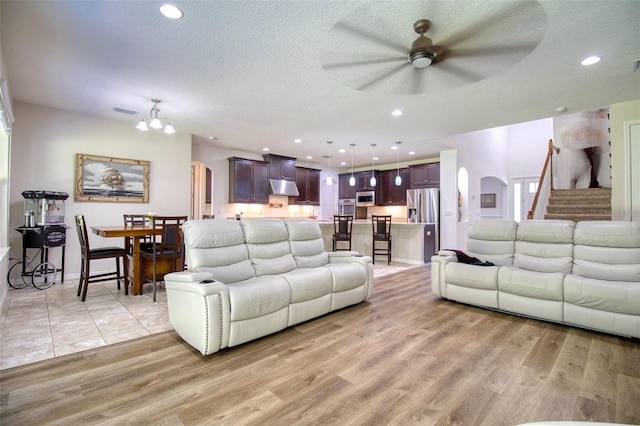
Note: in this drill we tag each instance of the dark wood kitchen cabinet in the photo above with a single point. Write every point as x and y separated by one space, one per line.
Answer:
390 193
281 167
363 180
308 183
248 181
424 175
344 190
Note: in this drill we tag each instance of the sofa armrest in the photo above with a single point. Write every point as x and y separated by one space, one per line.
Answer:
199 310
352 256
438 264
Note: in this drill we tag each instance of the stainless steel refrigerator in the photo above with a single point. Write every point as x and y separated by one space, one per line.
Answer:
423 206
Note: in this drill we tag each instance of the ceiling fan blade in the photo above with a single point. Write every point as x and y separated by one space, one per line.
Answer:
364 62
387 74
461 72
523 48
513 10
417 81
371 37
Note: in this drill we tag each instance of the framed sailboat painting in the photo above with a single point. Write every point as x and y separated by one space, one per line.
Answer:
111 179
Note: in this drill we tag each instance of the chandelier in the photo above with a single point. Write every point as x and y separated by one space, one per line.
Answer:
154 122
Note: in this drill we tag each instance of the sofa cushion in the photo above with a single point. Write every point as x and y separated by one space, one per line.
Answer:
544 246
611 296
347 275
305 240
268 245
531 284
217 246
607 250
492 241
464 275
308 283
258 296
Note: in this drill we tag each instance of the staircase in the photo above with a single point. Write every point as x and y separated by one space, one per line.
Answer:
579 204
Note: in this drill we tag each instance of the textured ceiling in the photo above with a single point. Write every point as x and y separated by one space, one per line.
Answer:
260 74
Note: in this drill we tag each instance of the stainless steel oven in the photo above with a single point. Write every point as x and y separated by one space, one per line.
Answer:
365 199
346 207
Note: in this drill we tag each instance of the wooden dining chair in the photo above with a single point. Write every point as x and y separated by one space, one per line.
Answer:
166 254
131 220
208 216
381 234
88 254
342 225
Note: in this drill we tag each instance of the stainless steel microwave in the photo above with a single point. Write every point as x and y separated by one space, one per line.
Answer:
365 198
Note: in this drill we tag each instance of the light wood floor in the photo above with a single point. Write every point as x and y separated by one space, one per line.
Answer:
405 357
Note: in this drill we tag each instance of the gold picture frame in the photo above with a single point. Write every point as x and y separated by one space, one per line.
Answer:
487 200
110 179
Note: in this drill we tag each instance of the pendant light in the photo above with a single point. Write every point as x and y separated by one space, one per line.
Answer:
398 178
329 178
352 180
372 181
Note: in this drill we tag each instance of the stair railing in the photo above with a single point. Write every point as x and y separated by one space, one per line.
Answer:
547 163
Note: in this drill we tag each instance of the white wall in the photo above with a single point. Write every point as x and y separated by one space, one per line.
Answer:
44 144
621 113
528 144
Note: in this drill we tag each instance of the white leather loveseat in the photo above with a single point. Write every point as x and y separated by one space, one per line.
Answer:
585 274
247 279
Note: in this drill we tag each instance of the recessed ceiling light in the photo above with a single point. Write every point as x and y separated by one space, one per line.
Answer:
265 149
297 140
343 163
396 113
561 109
393 148
591 60
376 158
170 11
341 150
309 157
412 153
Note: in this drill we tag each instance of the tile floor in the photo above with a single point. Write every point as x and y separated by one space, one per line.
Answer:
40 324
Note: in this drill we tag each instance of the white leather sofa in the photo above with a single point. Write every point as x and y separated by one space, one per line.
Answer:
585 274
247 279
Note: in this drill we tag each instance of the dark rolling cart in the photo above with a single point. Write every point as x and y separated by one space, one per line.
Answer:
44 229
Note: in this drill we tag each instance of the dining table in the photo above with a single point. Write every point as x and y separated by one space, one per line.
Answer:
136 232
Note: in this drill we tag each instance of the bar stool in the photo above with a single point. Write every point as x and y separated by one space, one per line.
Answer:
342 225
381 234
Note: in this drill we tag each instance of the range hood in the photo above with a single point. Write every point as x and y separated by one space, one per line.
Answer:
283 187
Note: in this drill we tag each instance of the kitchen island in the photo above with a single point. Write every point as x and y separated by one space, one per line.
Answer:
408 240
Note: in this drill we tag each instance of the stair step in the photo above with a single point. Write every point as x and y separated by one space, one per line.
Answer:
575 200
579 209
578 217
602 192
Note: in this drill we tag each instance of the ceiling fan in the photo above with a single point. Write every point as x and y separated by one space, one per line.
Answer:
423 53
471 46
